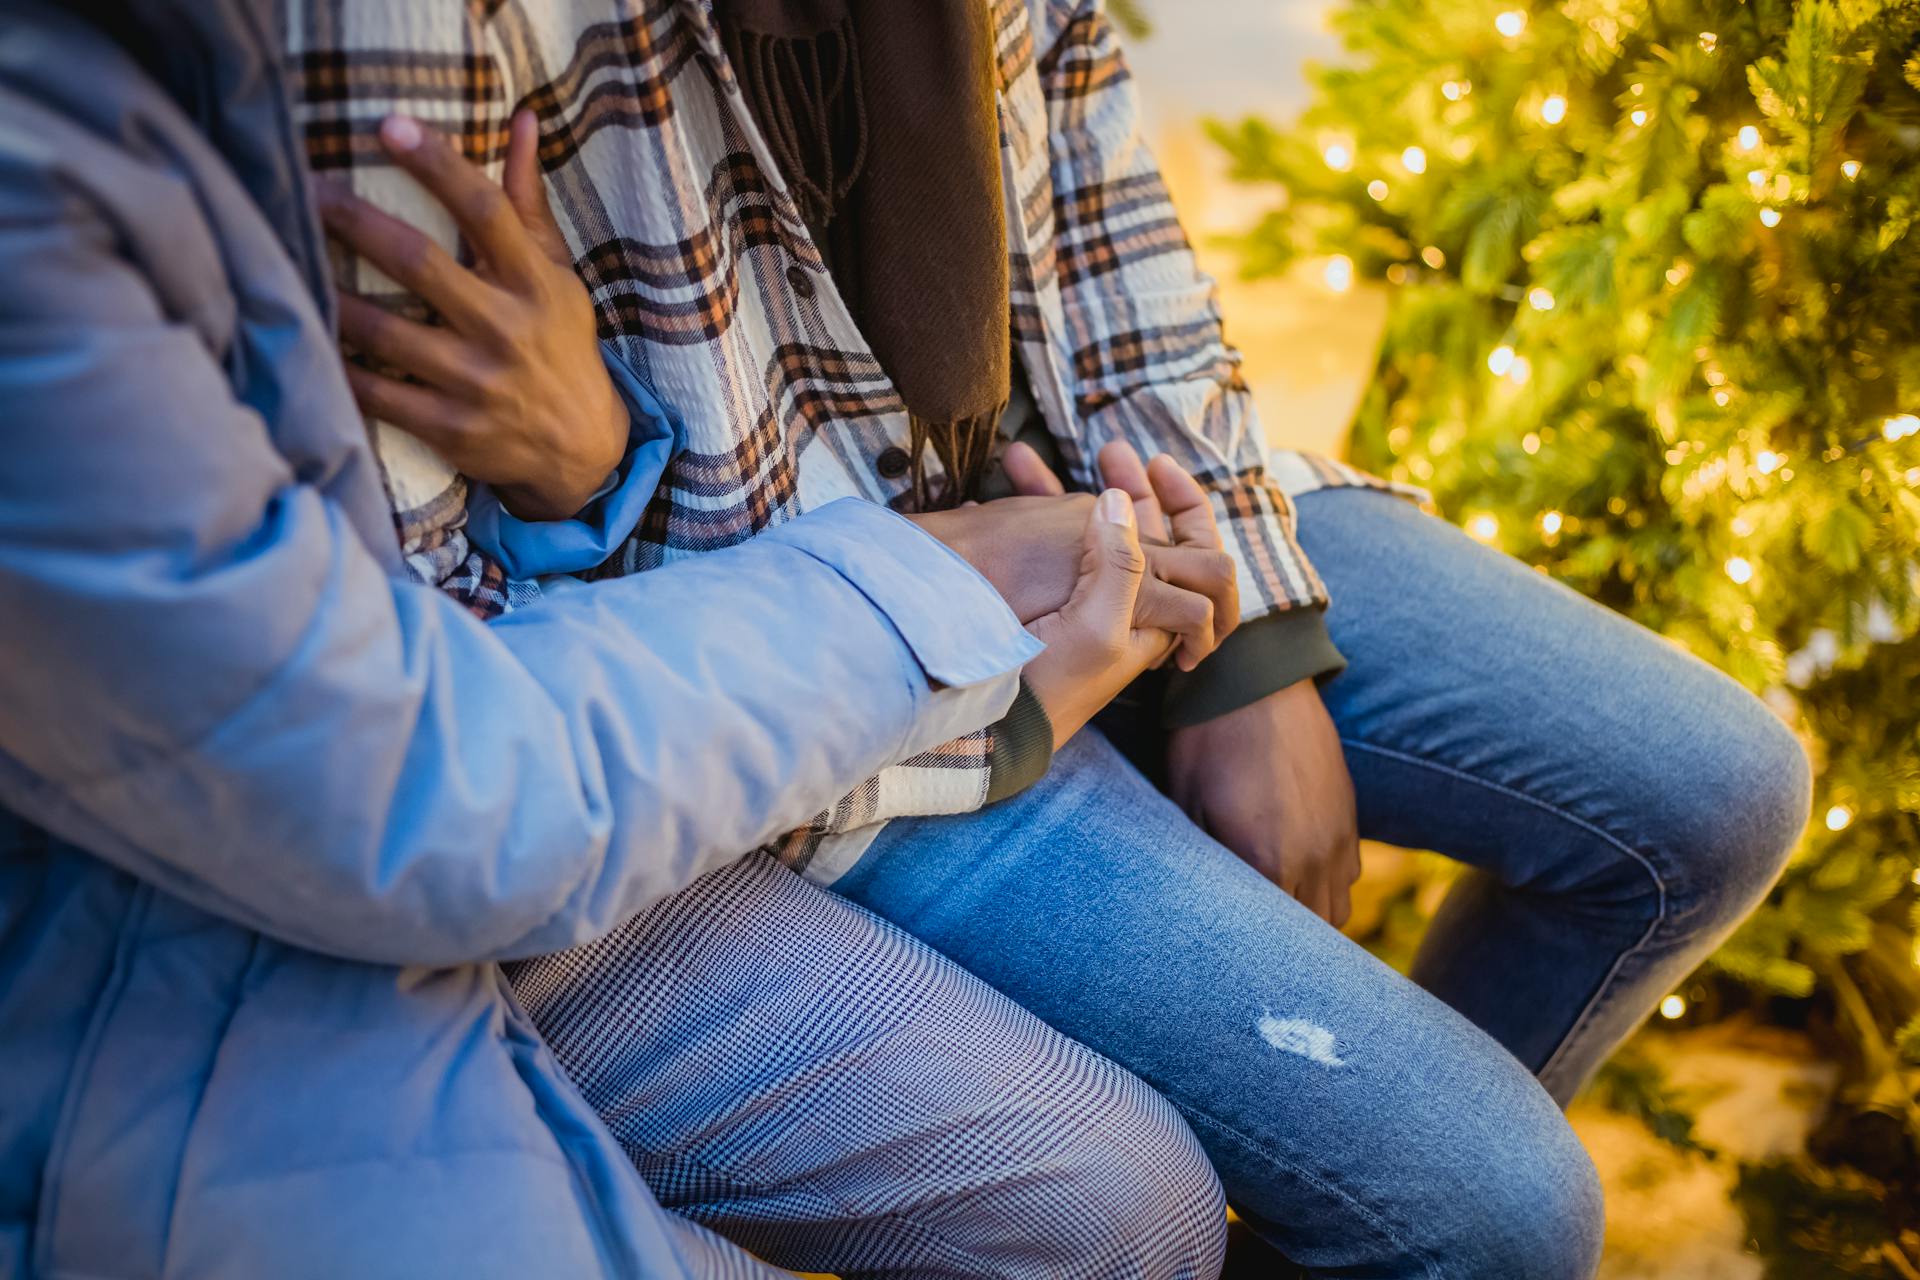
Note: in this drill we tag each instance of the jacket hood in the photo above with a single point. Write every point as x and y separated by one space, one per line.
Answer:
221 60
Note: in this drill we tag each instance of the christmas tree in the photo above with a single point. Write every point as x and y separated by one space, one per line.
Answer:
1656 330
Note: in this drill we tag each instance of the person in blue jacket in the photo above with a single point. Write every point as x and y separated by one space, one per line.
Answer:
271 812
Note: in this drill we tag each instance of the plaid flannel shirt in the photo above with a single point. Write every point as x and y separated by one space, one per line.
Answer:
711 290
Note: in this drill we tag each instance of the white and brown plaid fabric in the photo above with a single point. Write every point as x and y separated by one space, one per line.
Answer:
712 291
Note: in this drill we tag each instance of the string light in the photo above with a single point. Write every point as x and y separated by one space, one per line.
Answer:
1432 256
1521 371
1839 817
1748 138
1767 461
1454 90
1674 1007
1530 443
1899 428
1415 159
1483 527
1500 360
1540 299
1740 569
1851 168
1913 476
1721 397
1339 156
1639 116
1510 23
1709 41
1756 178
1553 109
1339 273
1769 217
1550 523
1377 189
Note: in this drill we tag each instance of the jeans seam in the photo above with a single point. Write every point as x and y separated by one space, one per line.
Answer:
1601 993
1260 1151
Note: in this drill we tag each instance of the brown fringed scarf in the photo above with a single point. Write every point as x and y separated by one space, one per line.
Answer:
882 116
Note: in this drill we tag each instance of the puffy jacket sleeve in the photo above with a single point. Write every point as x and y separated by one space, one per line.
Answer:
208 678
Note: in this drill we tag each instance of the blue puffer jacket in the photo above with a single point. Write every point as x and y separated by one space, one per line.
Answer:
268 812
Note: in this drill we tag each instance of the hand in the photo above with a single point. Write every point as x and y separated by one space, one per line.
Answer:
510 389
1269 781
1094 649
1029 547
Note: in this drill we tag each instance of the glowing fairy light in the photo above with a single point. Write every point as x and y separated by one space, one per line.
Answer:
1673 1007
1510 23
1740 569
1851 168
1839 818
1769 217
1767 461
1484 527
1377 189
1900 427
1540 299
1553 108
1709 41
1414 159
1339 156
1748 139
1550 523
1639 116
1339 273
1500 360
1432 256
1521 371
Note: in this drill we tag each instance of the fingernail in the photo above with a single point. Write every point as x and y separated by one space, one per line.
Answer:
402 133
1115 507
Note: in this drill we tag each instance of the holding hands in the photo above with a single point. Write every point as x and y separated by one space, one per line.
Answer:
1268 780
510 388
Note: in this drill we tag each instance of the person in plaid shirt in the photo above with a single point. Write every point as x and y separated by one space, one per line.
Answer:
745 227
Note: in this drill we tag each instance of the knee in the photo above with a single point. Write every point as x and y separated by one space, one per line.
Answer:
1736 814
1536 1210
1135 1196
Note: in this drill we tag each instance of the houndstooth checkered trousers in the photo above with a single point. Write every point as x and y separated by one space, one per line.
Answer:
810 1082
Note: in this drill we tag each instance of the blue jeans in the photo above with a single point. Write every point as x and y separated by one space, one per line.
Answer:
1620 807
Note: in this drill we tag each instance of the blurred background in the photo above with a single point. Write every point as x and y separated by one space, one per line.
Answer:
1630 288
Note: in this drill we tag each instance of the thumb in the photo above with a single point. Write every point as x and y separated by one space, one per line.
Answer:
1112 566
527 189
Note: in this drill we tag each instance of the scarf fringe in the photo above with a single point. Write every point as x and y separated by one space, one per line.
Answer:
964 448
810 89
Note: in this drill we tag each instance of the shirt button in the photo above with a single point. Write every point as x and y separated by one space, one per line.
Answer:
801 280
893 463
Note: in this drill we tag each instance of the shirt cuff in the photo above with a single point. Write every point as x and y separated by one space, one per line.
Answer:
1022 747
1262 656
541 548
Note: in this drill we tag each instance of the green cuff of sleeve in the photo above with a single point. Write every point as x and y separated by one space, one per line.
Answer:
1261 657
1022 747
